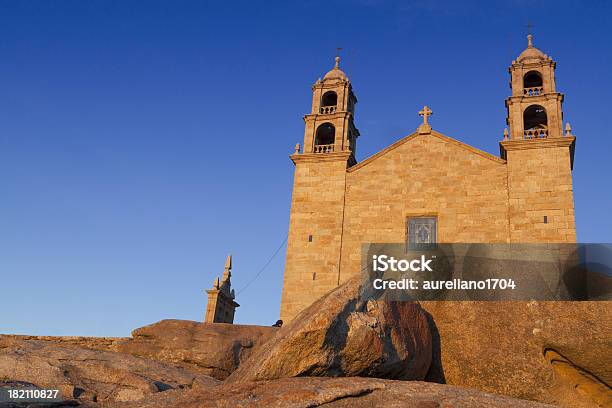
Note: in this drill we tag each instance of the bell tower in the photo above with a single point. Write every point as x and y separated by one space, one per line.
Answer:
317 203
534 109
539 154
329 126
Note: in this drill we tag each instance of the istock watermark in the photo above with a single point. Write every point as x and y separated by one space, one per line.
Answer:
488 271
383 263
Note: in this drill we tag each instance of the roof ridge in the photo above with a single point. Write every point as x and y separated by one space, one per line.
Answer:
415 134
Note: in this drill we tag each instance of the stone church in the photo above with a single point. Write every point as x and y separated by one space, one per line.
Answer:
426 187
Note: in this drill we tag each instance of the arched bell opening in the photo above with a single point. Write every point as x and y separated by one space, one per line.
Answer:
329 102
325 138
535 122
532 84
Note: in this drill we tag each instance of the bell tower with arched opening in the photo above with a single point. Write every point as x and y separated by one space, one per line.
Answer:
534 109
329 126
317 204
539 154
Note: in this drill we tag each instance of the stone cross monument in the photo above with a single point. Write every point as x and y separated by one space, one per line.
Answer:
221 298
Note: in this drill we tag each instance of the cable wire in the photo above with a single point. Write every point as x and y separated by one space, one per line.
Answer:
264 267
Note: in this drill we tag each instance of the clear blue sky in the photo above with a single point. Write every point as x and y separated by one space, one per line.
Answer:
141 142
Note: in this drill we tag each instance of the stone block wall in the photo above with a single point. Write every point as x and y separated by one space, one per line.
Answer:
425 175
540 185
315 230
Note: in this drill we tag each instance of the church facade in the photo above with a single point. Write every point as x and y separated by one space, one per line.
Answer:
426 187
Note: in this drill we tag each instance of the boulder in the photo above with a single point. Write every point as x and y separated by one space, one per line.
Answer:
214 349
91 375
333 392
500 347
343 335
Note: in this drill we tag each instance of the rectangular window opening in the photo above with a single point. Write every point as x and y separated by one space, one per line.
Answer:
421 232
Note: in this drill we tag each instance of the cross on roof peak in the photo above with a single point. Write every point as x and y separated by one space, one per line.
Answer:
425 113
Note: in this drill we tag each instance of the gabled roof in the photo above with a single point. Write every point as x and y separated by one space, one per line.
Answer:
432 133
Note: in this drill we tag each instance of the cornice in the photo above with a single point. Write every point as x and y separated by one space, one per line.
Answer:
320 157
564 141
535 98
516 64
335 115
331 84
524 144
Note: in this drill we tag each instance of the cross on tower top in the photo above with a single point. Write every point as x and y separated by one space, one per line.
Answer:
338 57
529 36
425 113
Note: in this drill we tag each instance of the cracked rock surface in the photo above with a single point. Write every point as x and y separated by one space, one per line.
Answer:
91 375
348 392
214 349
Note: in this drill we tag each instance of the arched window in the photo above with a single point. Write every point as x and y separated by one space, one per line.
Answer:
535 122
325 138
330 98
532 83
535 118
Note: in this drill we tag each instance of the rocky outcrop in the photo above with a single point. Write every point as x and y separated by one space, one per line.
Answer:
210 349
214 349
553 352
92 343
499 346
333 392
91 375
577 379
340 335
